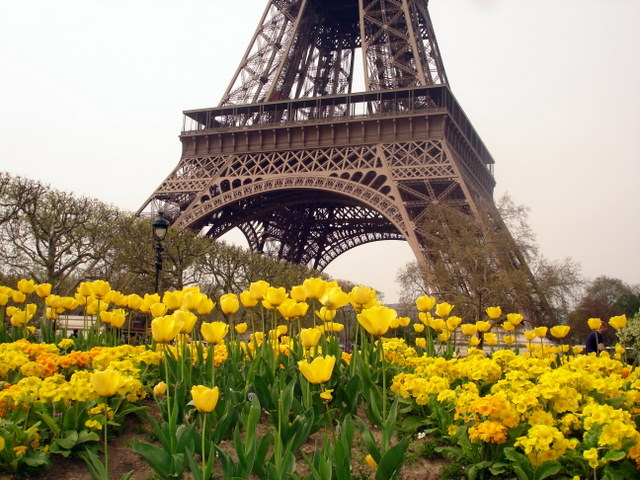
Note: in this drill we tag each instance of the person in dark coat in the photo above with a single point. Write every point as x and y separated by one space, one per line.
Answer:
595 340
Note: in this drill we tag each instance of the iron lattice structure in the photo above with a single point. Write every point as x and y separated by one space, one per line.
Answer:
306 168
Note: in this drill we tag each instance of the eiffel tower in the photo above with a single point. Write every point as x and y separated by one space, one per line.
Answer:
306 168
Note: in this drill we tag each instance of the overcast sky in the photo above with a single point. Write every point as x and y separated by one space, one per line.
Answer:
91 95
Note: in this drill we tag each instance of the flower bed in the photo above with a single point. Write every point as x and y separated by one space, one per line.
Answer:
216 369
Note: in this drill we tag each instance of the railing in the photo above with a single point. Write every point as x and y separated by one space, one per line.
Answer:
336 108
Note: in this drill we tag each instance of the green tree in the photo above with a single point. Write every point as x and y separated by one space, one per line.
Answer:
603 298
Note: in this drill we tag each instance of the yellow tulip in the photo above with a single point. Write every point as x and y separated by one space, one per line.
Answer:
421 342
490 338
444 336
205 305
51 313
164 329
118 317
288 309
19 318
191 298
404 321
105 317
187 319
319 370
530 335
540 332
443 309
257 337
134 301
259 289
509 339
248 300
106 382
474 341
158 309
493 312
483 326
594 323
117 298
31 309
173 299
315 287
54 301
298 293
361 295
376 320
229 303
241 327
300 309
2 443
331 327
275 296
425 317
326 314
327 395
18 297
437 324
84 289
69 303
560 331
618 322
214 332
371 462
205 398
309 337
514 318
425 303
160 389
100 288
95 306
26 286
468 329
418 327
43 290
453 322
4 299
508 326
334 298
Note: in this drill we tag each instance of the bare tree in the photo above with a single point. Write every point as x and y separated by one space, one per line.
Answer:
474 266
54 235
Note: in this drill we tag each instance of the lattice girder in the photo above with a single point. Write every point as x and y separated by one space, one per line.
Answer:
306 48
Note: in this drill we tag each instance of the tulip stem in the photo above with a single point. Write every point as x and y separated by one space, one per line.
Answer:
202 435
166 374
384 380
106 446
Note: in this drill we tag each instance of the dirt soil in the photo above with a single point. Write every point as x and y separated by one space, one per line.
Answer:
122 460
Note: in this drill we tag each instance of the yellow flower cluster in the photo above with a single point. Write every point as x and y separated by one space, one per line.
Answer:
543 443
553 395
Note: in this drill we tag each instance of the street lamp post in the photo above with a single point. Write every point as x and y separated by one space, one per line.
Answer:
160 226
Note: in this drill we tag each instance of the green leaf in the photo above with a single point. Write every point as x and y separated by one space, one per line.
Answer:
521 464
547 469
614 455
69 441
156 457
368 440
390 464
